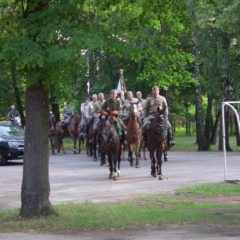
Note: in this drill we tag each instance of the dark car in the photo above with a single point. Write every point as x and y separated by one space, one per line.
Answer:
11 142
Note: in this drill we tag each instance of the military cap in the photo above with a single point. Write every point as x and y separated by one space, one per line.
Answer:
101 94
114 91
138 92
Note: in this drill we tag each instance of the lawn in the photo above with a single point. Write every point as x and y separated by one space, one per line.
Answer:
186 206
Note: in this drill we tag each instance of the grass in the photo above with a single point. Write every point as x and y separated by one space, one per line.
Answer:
211 190
152 210
188 144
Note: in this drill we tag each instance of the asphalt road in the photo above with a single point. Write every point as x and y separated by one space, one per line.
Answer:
77 178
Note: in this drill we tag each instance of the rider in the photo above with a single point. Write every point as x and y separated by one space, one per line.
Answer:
141 101
127 105
153 103
112 106
13 116
97 109
85 111
67 114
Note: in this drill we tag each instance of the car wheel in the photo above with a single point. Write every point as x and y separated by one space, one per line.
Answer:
3 159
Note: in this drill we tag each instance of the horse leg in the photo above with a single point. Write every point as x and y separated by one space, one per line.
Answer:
94 150
52 145
165 154
144 153
59 145
159 164
79 145
137 154
63 149
110 166
119 161
115 158
130 153
74 145
153 164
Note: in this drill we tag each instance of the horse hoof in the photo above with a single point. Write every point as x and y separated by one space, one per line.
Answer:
154 174
94 159
160 177
118 173
137 166
165 159
114 178
110 176
131 164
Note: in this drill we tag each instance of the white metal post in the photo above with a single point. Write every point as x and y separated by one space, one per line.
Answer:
229 104
224 142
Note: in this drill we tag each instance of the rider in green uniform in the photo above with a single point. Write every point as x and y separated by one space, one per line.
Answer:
112 107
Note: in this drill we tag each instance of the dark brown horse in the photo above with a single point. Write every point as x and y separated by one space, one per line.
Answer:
70 131
110 144
157 140
86 131
52 131
134 134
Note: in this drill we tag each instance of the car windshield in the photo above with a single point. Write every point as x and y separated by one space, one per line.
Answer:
11 131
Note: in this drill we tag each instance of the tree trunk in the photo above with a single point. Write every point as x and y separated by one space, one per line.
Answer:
225 91
208 122
18 99
92 69
187 122
35 183
215 128
199 120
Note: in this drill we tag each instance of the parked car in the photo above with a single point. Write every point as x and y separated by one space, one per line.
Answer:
11 142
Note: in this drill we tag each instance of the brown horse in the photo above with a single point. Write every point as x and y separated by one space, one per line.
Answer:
156 138
52 131
110 144
134 134
70 131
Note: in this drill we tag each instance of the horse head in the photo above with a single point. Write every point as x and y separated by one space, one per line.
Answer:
134 110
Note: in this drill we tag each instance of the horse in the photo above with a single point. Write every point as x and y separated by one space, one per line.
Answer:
157 140
81 135
91 140
134 134
52 131
110 144
100 140
70 131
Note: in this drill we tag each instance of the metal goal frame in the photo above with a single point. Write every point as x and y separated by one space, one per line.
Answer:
229 104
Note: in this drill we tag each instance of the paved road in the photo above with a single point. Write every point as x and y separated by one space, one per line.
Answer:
170 232
76 178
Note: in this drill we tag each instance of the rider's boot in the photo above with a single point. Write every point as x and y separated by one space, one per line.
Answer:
123 138
171 141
